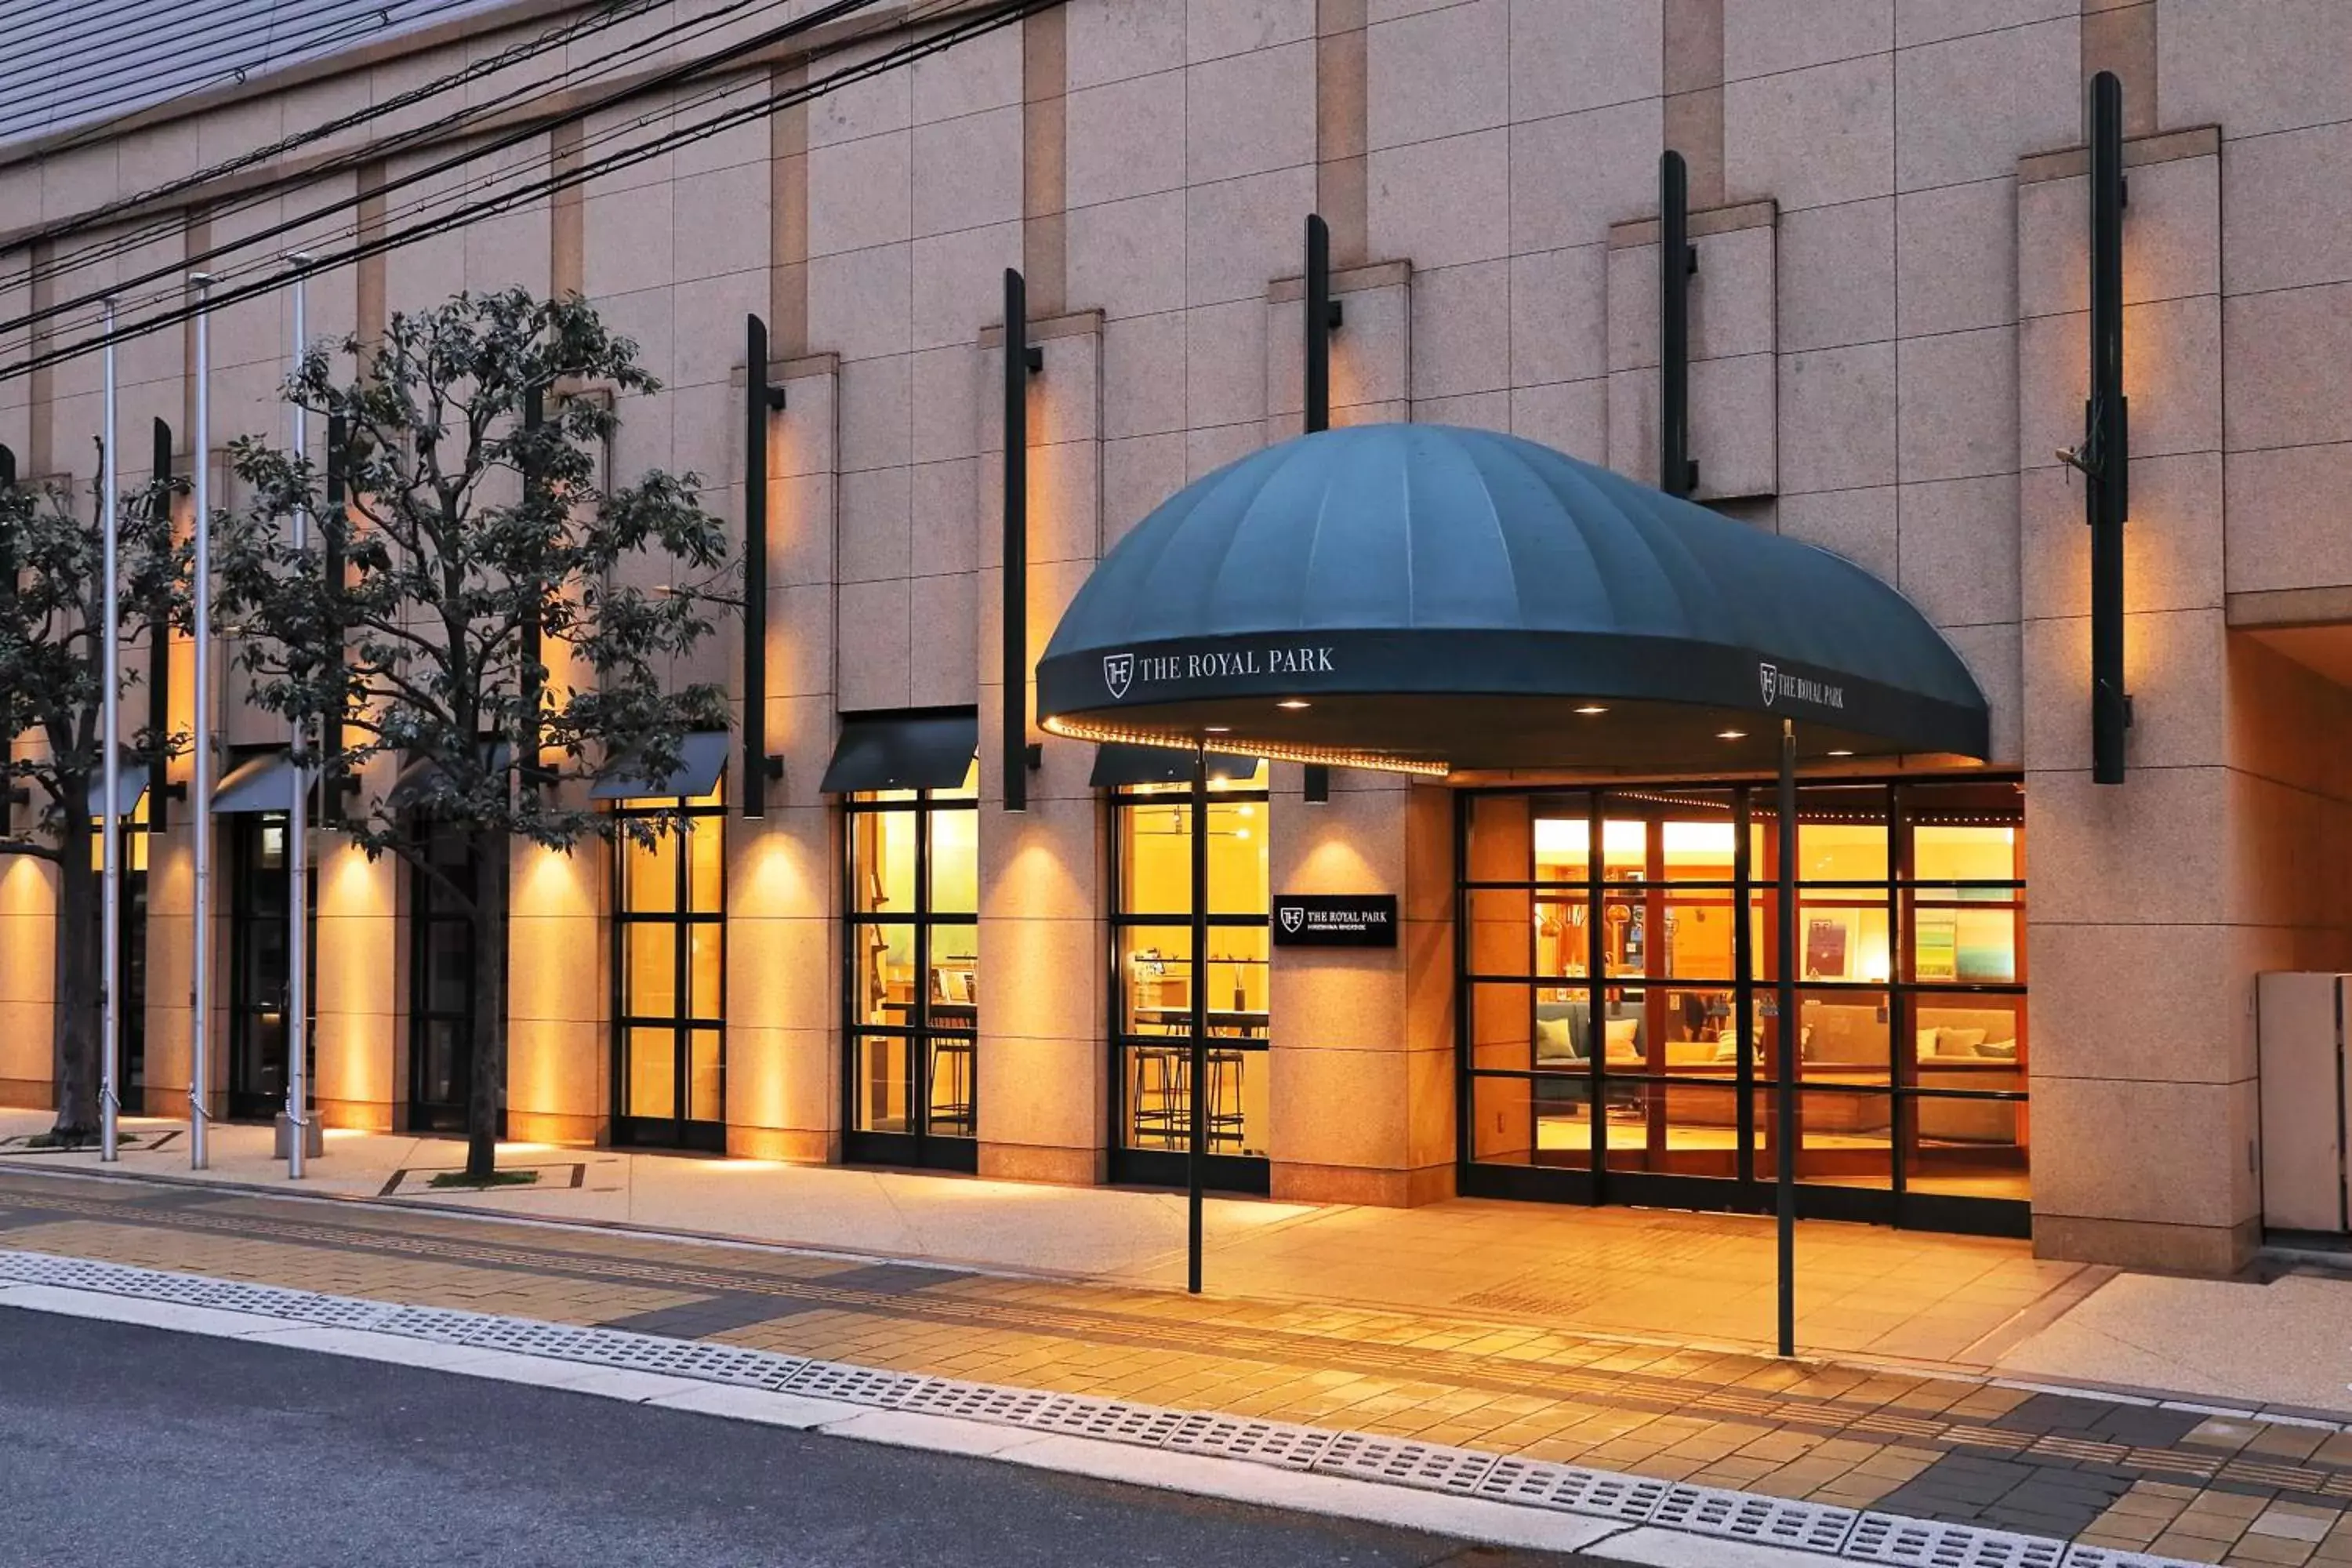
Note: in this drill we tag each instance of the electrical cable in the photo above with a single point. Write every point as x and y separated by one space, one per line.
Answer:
976 24
112 246
660 80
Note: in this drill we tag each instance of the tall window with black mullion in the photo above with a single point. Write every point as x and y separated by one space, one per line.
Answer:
440 984
1156 970
911 955
669 929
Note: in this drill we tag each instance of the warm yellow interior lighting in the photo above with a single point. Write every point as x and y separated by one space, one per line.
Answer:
1279 750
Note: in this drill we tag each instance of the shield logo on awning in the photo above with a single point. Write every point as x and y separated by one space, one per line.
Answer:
1768 677
1118 670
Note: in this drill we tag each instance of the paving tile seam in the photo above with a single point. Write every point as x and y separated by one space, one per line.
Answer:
1719 1514
1827 1414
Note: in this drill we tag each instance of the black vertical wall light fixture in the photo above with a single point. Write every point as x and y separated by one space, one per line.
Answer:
1022 361
2104 455
1324 314
1677 261
338 488
762 398
534 414
159 652
7 717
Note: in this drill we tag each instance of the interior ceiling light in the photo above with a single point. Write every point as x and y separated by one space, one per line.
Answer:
1590 709
1841 753
1731 735
1293 703
1218 729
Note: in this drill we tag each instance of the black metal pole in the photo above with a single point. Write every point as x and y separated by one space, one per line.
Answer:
159 653
7 711
755 567
2106 447
1678 474
1322 315
1020 362
1790 1037
534 413
1196 1099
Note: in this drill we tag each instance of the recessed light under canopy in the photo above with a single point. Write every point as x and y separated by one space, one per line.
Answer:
1455 600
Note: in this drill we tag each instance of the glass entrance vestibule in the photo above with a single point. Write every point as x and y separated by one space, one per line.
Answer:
1616 950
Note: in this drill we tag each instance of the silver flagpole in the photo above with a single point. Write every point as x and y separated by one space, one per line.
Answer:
298 843
109 731
201 997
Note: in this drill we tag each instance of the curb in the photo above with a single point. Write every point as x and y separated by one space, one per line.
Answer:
1459 1493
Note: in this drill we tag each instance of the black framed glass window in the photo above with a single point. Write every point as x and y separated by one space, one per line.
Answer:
1154 970
910 987
130 916
670 972
1618 1036
441 984
260 971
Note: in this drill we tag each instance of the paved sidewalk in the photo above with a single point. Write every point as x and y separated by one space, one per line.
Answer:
2107 1471
1863 1289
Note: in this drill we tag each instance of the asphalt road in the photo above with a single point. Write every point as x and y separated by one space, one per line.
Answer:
128 1446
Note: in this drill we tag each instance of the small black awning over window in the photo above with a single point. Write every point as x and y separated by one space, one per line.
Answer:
928 747
701 758
131 783
1118 767
263 782
422 775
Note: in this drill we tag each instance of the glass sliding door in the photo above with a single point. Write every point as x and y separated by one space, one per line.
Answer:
911 959
669 967
1618 1037
1155 971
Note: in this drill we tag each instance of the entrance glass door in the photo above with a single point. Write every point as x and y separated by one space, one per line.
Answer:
1619 1039
911 952
669 968
440 988
260 932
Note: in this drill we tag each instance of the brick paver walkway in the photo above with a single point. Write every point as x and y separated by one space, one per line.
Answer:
2104 1471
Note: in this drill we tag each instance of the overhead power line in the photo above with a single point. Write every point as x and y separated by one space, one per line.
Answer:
610 16
964 28
284 227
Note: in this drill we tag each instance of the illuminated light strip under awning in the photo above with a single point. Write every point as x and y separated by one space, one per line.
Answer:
1249 746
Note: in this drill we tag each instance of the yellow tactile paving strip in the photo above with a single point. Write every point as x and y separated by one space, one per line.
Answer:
2213 1491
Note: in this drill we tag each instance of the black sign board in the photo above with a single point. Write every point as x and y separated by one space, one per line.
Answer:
1335 919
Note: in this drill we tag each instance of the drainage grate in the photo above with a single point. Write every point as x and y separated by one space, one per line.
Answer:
981 1402
444 1324
854 1385
1573 1491
1740 1515
1260 1442
703 1360
1402 1462
2108 1557
1916 1543
1113 1420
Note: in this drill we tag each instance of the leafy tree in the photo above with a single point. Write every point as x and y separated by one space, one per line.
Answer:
53 594
477 550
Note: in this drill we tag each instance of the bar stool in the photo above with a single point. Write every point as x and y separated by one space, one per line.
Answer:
1225 1069
1156 1098
954 1108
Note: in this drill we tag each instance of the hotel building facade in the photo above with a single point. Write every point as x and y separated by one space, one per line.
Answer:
2027 999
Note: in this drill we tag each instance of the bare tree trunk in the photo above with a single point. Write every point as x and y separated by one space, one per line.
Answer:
75 1021
488 853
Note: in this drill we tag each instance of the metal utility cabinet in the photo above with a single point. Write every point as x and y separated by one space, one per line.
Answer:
2300 1021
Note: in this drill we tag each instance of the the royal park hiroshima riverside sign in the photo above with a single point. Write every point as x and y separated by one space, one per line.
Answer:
1335 919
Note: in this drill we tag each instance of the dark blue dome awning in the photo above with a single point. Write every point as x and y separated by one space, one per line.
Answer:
1432 597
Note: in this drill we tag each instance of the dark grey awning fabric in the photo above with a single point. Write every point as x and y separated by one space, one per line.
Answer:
417 777
929 749
131 783
264 783
1425 596
702 757
1117 767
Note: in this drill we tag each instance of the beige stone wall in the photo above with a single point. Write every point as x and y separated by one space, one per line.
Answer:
1888 338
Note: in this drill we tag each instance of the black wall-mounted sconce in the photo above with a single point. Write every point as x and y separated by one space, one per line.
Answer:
760 400
1324 315
158 658
1022 361
1677 261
